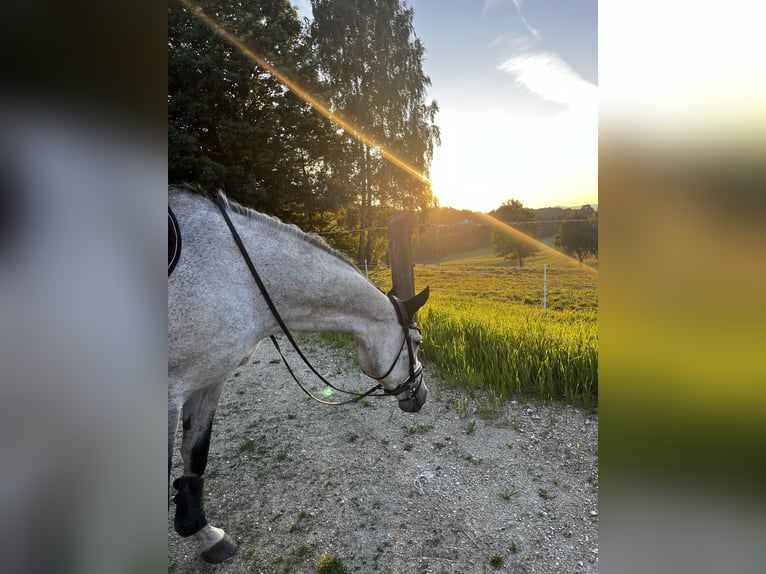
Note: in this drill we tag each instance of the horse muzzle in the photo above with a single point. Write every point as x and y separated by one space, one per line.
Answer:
416 399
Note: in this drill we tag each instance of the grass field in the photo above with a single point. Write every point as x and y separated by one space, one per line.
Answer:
485 328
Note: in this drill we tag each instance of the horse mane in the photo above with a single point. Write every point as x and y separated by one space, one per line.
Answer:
293 230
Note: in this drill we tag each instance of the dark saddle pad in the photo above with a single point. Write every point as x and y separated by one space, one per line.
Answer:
174 241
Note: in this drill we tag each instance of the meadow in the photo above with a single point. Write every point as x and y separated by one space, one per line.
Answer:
485 327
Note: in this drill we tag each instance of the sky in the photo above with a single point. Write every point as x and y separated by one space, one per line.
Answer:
516 84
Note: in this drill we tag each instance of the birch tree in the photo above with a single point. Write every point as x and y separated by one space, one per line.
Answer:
370 63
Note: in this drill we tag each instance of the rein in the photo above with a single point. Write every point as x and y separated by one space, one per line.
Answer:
410 385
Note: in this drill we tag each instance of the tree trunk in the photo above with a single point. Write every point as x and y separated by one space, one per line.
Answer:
363 209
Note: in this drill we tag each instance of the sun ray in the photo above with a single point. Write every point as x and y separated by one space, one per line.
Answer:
534 242
302 93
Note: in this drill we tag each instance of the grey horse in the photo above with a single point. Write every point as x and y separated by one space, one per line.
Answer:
218 315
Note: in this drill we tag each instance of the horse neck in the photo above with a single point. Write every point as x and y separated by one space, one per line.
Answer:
315 290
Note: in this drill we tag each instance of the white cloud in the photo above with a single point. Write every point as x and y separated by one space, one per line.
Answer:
531 30
548 76
490 4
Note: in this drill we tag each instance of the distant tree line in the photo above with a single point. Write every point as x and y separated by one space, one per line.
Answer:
233 126
574 231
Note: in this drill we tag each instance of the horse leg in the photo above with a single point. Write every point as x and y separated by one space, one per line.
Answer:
198 412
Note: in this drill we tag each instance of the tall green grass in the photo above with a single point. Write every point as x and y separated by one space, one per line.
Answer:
485 329
506 361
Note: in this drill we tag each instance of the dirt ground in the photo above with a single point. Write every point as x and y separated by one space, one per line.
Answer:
457 487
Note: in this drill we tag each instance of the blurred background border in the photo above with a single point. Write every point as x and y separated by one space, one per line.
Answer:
682 311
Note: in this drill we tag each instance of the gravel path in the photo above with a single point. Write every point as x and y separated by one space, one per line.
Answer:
454 488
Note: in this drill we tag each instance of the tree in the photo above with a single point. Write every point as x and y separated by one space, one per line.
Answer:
510 245
232 126
577 233
370 63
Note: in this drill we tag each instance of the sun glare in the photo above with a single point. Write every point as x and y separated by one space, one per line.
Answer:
302 93
465 174
534 242
490 156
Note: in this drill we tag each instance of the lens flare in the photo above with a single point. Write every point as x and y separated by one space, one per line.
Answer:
302 93
534 242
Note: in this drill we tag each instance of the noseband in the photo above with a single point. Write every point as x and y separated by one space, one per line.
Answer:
410 386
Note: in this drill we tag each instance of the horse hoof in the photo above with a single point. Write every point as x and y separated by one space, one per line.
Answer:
221 551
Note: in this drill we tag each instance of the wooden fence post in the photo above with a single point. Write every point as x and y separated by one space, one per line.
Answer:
400 256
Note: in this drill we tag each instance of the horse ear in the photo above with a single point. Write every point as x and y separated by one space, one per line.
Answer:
412 305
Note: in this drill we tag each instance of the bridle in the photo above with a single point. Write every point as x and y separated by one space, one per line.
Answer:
409 387
415 378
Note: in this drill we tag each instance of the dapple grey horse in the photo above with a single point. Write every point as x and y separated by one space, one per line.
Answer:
218 315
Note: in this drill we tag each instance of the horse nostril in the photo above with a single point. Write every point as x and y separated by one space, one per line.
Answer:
410 405
415 403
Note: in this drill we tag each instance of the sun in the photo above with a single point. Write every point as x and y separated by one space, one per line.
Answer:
488 157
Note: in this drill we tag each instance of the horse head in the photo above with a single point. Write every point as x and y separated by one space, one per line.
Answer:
404 377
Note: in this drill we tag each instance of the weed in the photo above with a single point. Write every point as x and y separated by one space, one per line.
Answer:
496 561
408 447
508 494
470 427
249 445
304 550
329 564
514 547
418 429
461 410
544 494
352 437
